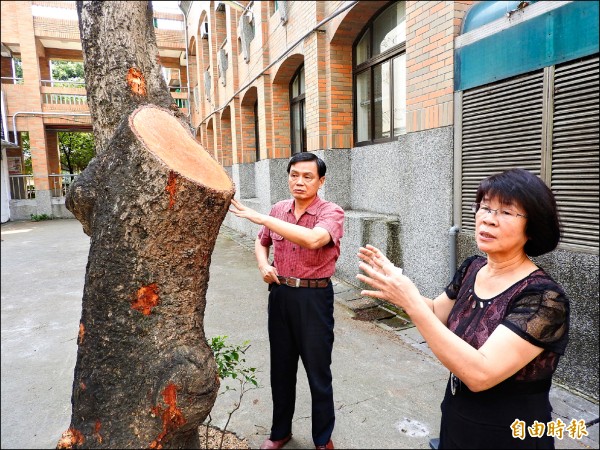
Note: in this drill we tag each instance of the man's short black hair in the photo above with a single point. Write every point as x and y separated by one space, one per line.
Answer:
537 200
308 156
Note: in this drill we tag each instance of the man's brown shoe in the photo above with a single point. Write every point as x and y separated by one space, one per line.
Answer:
269 444
325 446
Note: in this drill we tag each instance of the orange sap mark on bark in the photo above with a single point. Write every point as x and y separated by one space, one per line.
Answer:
97 431
147 298
81 332
171 188
172 417
70 438
136 81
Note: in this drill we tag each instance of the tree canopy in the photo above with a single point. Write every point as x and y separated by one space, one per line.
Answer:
76 150
67 70
26 146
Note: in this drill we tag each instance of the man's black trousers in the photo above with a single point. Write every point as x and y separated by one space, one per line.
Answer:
301 325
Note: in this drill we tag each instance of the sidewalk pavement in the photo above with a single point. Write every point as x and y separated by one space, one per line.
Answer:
387 384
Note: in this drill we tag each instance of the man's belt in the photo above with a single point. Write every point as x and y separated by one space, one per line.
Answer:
304 282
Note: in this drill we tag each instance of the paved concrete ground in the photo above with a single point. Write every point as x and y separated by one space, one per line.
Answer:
387 386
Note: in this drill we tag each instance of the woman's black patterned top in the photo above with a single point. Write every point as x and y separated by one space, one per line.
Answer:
536 308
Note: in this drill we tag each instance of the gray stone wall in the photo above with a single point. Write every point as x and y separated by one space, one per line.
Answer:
412 179
23 209
59 210
397 196
337 179
577 272
259 186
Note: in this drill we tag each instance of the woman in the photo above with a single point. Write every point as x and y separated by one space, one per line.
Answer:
501 324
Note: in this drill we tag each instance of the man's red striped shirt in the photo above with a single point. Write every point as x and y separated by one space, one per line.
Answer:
290 259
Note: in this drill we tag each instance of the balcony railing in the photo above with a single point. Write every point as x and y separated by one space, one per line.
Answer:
64 99
59 184
11 80
63 92
179 95
58 83
22 187
72 95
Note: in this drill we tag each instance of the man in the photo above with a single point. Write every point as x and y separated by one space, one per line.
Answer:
305 233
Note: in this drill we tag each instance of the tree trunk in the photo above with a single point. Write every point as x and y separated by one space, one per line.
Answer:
152 202
121 66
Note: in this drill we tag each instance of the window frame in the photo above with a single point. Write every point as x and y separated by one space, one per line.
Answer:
301 100
256 131
369 65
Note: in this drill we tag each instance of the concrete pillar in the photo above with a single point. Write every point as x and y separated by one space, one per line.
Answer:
39 161
52 150
31 53
267 137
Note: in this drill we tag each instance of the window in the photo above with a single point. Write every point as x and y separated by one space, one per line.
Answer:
63 71
297 111
172 77
380 78
196 98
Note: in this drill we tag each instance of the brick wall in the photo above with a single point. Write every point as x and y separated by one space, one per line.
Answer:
46 27
431 29
327 58
9 25
53 153
247 148
55 4
226 154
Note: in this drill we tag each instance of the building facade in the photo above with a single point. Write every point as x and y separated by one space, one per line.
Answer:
35 34
410 104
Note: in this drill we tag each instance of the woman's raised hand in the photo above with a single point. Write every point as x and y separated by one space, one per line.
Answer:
385 278
376 259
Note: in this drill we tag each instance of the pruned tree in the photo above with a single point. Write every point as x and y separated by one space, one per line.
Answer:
152 201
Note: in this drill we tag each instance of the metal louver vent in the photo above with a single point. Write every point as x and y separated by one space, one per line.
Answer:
575 150
501 129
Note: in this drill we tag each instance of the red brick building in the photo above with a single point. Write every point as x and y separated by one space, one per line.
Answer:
35 33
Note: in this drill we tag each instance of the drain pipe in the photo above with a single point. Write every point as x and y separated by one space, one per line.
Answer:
453 232
187 66
41 113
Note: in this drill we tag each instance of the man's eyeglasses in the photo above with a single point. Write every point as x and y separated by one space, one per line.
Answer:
484 210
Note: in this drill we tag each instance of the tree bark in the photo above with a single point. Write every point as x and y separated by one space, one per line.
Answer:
121 64
152 202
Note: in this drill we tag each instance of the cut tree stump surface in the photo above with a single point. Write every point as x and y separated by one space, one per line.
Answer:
166 137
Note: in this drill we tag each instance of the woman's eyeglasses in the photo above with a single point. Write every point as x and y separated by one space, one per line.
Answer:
484 210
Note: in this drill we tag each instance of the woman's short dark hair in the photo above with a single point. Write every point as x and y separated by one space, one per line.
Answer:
308 156
531 193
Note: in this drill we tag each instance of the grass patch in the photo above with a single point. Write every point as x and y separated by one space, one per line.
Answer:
40 217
